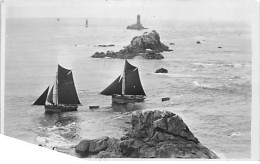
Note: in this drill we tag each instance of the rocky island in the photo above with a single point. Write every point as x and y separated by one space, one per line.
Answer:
154 134
147 46
137 26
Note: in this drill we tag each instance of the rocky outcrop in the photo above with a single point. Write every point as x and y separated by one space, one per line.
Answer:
106 45
161 70
147 46
137 26
154 134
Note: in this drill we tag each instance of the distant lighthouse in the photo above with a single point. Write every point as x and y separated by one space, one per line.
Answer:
138 25
138 20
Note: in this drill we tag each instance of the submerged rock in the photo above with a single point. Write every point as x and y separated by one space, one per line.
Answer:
154 134
137 26
161 70
104 45
147 45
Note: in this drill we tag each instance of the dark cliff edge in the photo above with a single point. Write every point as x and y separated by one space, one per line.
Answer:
147 46
154 134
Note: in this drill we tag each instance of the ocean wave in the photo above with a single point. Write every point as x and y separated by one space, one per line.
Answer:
221 155
62 136
234 134
63 36
231 65
207 86
172 75
52 141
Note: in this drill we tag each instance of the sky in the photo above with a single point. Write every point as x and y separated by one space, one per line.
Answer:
162 9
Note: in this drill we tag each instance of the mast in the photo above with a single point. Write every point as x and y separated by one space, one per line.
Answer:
123 81
55 94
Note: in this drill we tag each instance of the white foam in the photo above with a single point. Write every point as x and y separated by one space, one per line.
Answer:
203 64
218 64
172 75
196 83
234 134
221 155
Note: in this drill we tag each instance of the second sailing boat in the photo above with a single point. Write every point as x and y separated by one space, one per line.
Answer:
62 96
127 87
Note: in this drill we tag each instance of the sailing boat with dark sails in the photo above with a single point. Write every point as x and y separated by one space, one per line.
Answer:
62 96
127 88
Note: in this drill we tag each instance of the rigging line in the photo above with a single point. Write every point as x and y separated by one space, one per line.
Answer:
143 7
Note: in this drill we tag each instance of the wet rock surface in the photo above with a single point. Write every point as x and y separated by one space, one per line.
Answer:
147 46
154 134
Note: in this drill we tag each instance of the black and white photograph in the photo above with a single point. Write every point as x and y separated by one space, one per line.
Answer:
130 79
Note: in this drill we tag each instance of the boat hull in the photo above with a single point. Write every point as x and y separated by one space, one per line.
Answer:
123 99
59 109
93 107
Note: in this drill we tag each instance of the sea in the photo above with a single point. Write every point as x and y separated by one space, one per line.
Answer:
209 84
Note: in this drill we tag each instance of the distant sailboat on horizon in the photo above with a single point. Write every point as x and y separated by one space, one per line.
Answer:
127 88
62 96
86 22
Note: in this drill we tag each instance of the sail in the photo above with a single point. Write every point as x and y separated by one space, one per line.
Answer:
133 84
128 67
41 100
50 96
67 93
114 88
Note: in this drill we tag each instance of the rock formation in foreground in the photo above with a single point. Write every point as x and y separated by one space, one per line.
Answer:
147 46
154 134
137 26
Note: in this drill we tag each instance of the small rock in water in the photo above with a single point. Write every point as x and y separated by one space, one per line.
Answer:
198 42
219 47
104 45
172 43
161 70
166 99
